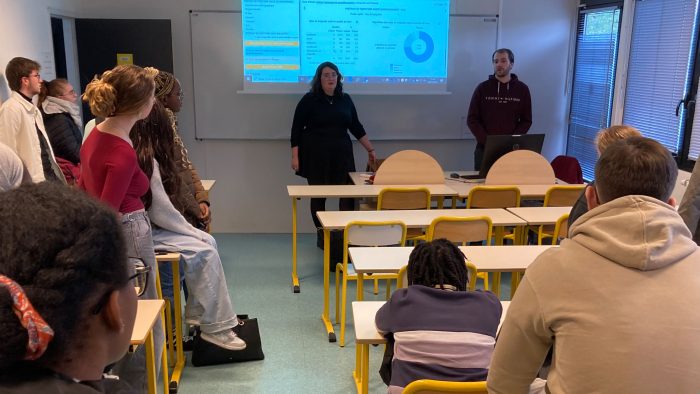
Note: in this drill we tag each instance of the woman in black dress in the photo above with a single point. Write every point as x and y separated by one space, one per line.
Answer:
321 146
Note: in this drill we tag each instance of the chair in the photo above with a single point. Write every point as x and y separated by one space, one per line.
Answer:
363 234
427 386
402 279
409 167
521 167
561 228
557 196
394 198
463 230
495 197
568 169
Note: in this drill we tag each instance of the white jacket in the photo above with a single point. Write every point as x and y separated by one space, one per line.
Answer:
18 131
619 303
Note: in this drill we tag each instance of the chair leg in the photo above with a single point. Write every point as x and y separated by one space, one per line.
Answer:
344 301
388 289
337 293
376 286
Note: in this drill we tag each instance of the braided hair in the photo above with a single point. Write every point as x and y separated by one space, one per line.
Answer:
65 250
438 263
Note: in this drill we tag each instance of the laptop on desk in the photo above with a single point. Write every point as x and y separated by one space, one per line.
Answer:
498 145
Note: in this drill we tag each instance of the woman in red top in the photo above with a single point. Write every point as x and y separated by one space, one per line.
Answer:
110 172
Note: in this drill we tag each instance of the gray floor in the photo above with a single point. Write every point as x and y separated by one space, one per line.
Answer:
298 356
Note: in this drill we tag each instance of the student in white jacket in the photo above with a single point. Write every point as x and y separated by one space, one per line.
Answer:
21 124
209 304
618 300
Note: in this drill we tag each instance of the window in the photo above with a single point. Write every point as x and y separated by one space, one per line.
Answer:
593 83
660 69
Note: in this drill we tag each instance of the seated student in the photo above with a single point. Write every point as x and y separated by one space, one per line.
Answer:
441 330
209 305
603 139
67 303
617 300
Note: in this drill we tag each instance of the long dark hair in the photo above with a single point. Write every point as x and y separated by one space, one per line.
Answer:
316 82
153 138
66 250
438 263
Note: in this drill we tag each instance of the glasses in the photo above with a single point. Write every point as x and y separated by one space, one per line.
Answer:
139 280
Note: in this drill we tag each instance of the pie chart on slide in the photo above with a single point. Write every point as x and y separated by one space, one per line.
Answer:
418 46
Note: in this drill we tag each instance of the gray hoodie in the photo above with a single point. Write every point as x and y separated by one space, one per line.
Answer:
618 301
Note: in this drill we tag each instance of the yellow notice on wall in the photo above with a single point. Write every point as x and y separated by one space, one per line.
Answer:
125 58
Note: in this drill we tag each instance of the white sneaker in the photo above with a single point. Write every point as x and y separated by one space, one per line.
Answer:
226 339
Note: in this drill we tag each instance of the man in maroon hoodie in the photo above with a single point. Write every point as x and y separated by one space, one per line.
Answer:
500 105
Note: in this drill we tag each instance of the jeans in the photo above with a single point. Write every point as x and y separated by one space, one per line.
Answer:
208 302
131 369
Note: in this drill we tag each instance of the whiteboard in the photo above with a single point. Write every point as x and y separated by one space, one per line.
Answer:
222 111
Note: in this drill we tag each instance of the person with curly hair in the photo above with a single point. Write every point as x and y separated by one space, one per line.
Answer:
67 299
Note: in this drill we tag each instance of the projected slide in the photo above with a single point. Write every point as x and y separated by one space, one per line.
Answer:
394 44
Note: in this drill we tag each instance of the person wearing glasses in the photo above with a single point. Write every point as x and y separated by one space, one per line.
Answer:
59 109
321 148
68 303
196 210
21 125
111 173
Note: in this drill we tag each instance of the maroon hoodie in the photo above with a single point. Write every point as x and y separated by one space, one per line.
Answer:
499 108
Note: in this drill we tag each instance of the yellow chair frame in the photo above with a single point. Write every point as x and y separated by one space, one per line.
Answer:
495 197
341 299
561 228
428 386
557 196
457 229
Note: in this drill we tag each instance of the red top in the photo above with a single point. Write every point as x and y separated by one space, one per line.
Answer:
110 172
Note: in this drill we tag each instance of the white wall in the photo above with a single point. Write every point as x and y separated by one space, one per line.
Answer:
25 30
250 193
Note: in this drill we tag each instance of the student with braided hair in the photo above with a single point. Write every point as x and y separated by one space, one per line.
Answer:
67 304
196 209
441 330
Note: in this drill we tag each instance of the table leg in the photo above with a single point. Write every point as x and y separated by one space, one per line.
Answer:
295 278
357 373
496 283
360 286
326 280
179 352
514 283
164 359
151 364
365 369
440 202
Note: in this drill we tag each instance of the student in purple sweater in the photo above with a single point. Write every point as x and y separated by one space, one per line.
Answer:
441 330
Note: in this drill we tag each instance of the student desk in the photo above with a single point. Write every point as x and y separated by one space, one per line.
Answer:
337 220
497 259
147 313
363 313
297 192
535 216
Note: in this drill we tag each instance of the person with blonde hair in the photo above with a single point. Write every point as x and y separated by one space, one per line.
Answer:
603 139
111 173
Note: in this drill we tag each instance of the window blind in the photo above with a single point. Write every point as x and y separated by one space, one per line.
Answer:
660 68
593 83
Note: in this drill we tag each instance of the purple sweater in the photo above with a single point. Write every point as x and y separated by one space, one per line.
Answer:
499 108
440 334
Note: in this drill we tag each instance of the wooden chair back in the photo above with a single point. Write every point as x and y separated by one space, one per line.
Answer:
521 167
409 167
562 195
404 198
461 230
494 197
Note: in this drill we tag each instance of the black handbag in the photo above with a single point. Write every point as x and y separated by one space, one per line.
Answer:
205 353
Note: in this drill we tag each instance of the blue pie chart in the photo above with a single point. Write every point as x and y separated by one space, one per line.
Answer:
418 46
